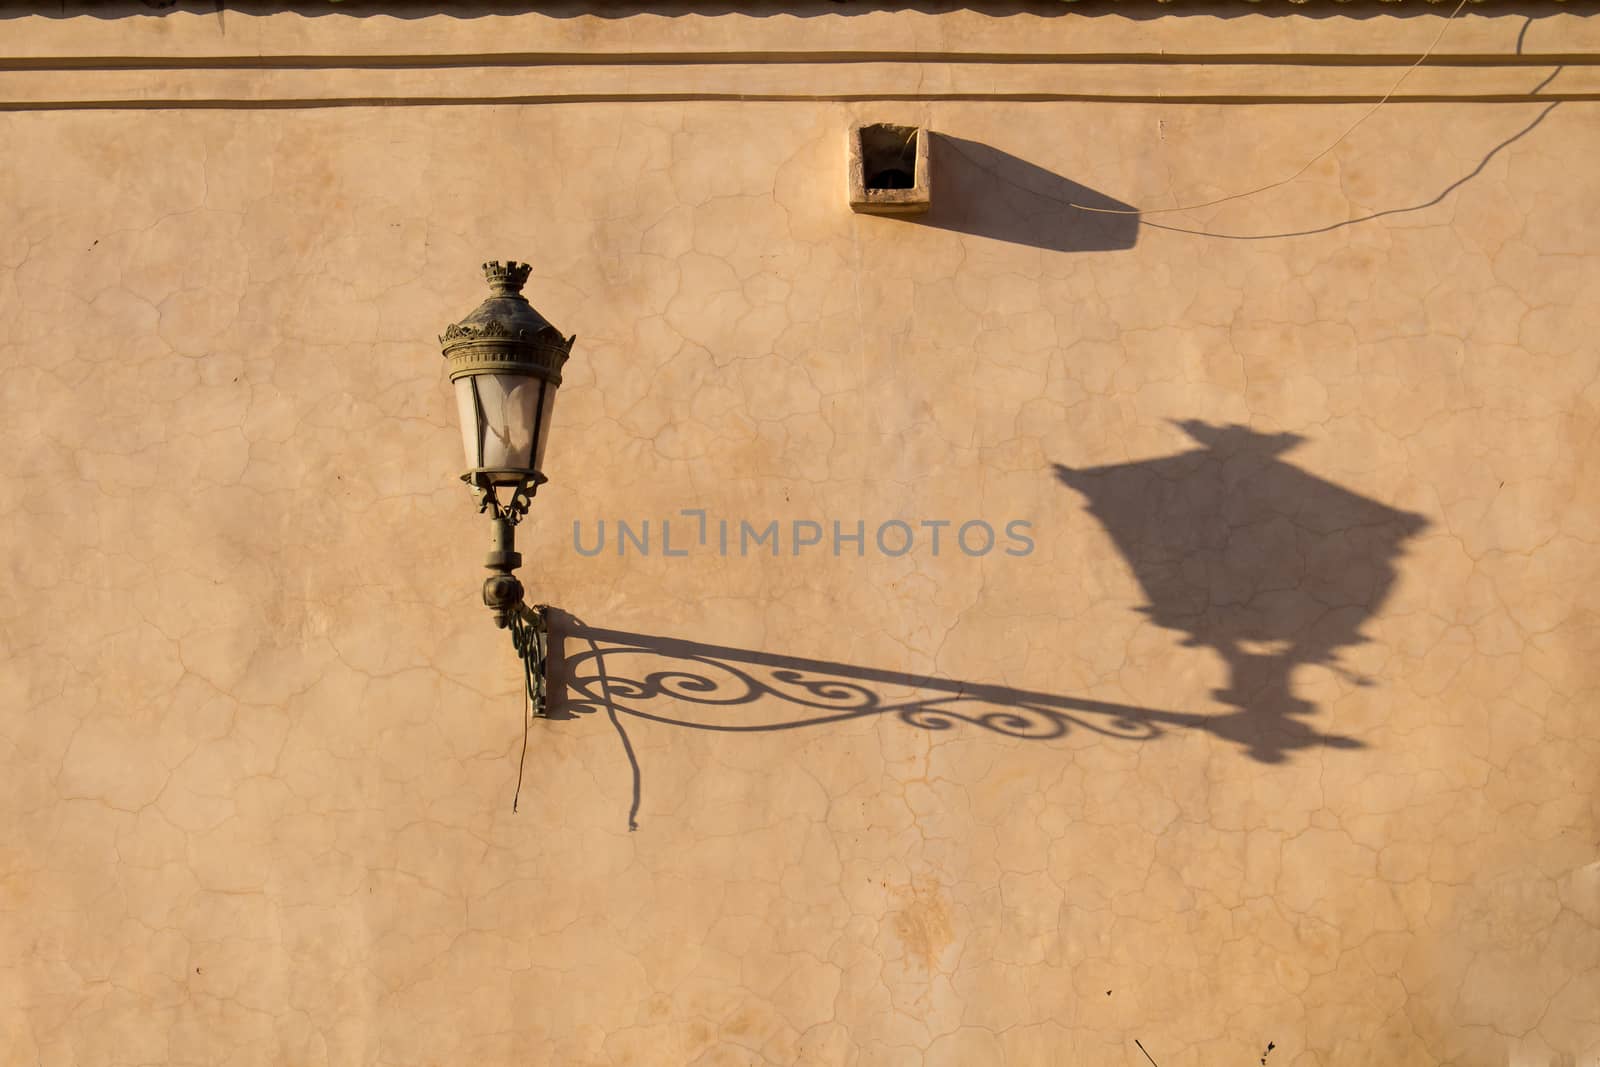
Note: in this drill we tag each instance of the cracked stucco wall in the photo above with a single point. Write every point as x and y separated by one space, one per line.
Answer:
258 740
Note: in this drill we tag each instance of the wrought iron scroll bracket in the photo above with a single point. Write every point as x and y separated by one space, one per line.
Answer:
530 636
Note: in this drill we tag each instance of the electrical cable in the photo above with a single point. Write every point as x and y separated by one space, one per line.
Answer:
1423 58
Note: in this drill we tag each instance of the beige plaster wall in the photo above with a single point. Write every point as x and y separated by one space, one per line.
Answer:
1259 744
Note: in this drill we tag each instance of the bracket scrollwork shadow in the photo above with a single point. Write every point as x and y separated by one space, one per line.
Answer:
694 685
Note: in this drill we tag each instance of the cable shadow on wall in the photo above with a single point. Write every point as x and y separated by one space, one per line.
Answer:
692 685
1044 210
1268 565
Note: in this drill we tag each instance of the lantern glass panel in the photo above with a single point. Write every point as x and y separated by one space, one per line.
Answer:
503 419
541 436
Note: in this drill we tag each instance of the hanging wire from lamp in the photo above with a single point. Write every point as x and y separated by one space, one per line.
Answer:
530 636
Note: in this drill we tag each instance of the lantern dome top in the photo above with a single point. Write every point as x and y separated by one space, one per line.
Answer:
504 334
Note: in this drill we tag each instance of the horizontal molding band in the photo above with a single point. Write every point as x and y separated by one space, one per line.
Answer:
85 34
621 59
1119 82
752 98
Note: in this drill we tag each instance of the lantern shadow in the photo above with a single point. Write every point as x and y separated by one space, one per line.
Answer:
1269 566
636 679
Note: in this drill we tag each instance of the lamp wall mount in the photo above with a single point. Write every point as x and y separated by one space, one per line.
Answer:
505 361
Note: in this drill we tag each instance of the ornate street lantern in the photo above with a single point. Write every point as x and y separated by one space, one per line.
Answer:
505 362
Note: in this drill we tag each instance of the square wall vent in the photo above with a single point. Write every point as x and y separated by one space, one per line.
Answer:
889 169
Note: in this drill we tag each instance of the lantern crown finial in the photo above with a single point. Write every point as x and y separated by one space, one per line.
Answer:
509 278
504 334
